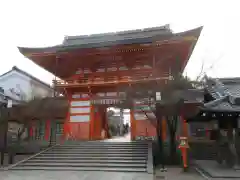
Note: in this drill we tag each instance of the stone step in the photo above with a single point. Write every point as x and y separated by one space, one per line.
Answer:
99 150
83 164
92 155
103 145
100 147
106 142
103 161
107 169
94 158
95 152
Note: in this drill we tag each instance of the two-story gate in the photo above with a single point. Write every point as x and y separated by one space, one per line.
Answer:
94 68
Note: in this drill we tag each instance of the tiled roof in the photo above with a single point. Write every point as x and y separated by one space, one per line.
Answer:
142 36
216 88
221 105
122 36
230 85
227 97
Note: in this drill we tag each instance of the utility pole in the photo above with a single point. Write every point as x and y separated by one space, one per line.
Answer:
3 133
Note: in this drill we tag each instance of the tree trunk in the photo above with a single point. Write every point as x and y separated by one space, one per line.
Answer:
172 127
160 142
173 148
159 135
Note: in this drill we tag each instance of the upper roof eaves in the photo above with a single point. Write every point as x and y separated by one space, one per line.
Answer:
143 36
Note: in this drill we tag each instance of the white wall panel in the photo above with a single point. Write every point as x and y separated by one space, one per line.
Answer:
80 103
75 96
142 116
80 118
111 94
139 116
80 110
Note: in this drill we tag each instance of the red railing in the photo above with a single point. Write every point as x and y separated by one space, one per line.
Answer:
106 81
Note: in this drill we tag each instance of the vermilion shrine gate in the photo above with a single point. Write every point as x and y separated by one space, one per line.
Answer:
95 69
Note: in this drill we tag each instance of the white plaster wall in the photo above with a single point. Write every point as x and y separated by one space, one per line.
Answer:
15 80
39 90
23 85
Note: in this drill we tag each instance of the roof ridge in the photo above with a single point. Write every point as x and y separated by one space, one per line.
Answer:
165 27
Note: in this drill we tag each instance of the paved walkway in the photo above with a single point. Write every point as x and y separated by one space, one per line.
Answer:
176 173
72 175
126 138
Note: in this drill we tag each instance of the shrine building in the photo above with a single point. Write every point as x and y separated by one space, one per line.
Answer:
93 70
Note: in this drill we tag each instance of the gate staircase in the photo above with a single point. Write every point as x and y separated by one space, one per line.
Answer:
92 156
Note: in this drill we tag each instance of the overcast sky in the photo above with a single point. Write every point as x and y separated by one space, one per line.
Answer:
46 22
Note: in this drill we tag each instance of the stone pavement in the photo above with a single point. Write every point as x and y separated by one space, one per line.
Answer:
72 175
176 173
16 159
216 170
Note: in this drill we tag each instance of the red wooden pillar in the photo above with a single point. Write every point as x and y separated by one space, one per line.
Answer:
133 124
66 127
31 130
92 119
105 119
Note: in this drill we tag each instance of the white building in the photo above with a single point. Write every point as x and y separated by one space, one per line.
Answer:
21 86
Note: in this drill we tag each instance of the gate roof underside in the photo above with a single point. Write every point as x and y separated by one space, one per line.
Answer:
127 47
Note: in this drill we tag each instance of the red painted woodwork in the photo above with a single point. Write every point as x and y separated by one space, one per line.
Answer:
117 49
133 125
79 129
145 128
98 121
92 122
122 73
31 130
128 54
